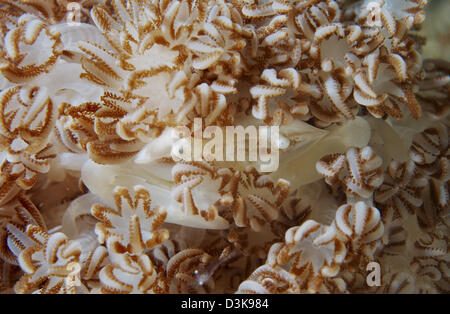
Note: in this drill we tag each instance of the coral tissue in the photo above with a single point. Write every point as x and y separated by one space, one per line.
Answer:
91 200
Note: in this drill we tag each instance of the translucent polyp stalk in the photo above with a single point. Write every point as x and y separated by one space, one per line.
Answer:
299 166
102 179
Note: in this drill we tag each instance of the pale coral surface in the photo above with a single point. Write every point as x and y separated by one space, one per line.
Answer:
91 200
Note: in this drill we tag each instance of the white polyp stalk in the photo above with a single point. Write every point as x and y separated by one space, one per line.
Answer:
298 167
101 180
78 207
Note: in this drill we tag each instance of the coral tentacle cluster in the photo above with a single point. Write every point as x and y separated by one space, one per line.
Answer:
92 199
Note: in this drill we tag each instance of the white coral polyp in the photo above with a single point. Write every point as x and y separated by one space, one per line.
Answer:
89 116
313 243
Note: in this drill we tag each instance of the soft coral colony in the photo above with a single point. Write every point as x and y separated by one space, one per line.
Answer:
92 202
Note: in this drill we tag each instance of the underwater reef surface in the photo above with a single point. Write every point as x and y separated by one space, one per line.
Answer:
436 30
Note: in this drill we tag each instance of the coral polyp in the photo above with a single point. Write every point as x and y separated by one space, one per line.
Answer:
98 96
